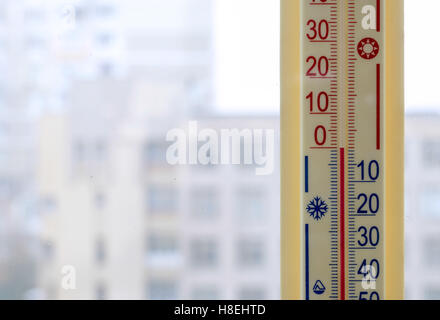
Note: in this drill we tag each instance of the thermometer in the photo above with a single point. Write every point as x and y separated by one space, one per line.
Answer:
342 149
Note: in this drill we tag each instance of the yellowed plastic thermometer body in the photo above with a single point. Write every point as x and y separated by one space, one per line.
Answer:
342 149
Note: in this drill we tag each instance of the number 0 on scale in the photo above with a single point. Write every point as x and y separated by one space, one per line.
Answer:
342 149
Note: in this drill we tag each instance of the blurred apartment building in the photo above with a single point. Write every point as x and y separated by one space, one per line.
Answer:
131 225
422 205
227 234
49 50
22 88
135 227
37 66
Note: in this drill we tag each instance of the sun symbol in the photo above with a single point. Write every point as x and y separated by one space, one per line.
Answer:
368 48
317 208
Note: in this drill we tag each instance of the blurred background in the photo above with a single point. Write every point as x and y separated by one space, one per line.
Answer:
88 92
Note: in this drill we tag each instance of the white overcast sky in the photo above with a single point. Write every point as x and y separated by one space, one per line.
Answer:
247 55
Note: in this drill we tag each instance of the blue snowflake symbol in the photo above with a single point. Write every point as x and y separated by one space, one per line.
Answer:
317 208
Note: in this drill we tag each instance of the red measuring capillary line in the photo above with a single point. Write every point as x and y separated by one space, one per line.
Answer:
378 15
378 107
342 223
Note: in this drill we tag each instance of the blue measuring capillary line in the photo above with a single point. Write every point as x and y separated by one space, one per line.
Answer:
307 262
306 174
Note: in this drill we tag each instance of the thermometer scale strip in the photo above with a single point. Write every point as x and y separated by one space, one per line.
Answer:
342 214
321 258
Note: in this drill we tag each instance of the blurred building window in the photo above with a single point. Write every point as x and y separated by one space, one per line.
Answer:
432 251
3 15
100 250
104 39
48 250
49 204
100 201
51 292
162 200
202 168
162 244
429 200
432 293
34 15
250 252
96 151
205 202
407 292
6 188
246 148
407 151
408 256
431 153
155 153
106 69
204 253
101 291
79 152
205 293
406 207
35 42
250 203
163 250
105 10
252 293
101 151
162 289
81 13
